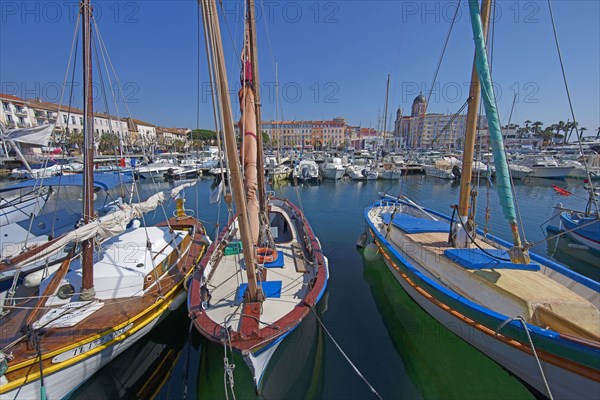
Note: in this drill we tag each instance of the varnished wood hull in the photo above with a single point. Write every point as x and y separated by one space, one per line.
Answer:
72 355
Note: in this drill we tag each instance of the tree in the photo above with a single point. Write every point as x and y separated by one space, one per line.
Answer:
527 128
266 138
201 137
537 128
547 134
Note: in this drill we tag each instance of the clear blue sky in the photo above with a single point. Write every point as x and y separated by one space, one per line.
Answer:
333 56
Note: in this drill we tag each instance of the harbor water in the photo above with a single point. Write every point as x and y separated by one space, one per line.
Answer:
398 348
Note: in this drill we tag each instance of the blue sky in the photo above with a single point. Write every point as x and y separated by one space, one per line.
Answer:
333 57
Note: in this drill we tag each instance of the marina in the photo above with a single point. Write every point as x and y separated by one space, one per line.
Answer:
270 256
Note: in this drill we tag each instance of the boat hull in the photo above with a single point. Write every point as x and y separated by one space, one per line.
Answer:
61 383
585 230
550 172
567 377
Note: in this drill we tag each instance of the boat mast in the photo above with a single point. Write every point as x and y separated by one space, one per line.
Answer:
387 92
518 253
87 290
470 135
209 12
262 201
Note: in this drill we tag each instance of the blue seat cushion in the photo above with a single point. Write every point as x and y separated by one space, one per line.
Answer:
278 263
410 224
478 259
271 289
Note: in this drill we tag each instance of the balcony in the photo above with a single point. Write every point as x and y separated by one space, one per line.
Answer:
21 111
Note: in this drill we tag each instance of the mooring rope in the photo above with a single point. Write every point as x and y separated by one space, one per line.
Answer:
537 359
344 354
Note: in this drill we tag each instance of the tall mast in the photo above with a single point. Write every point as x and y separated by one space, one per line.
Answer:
471 130
387 92
262 201
209 12
518 253
87 290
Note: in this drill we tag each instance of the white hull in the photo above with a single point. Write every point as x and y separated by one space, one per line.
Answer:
518 362
390 174
430 170
258 364
551 172
21 211
583 240
333 173
61 383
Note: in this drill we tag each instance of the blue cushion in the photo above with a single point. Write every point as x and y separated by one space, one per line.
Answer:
270 289
278 263
410 224
478 259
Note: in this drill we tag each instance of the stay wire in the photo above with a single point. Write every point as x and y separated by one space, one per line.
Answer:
564 75
437 69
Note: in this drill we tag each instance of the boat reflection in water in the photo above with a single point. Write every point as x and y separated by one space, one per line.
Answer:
296 370
577 257
144 369
439 363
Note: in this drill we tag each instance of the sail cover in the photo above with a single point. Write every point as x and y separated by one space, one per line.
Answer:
104 227
38 135
489 103
248 124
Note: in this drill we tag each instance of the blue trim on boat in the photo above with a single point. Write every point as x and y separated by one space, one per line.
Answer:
584 280
476 307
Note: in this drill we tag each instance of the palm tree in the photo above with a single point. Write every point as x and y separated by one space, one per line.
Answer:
598 133
527 129
537 128
572 126
581 130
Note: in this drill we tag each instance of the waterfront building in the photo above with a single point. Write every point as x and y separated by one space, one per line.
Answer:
15 113
421 130
302 134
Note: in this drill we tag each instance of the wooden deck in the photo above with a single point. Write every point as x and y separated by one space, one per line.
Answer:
531 294
114 313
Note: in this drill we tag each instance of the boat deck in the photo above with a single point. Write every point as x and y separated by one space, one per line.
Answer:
224 284
532 294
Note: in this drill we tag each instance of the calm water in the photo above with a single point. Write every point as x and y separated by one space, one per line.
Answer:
402 351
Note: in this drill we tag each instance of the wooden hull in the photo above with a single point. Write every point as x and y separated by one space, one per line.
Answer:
571 365
255 341
71 355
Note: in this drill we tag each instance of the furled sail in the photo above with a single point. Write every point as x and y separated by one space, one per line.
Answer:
248 124
489 102
104 227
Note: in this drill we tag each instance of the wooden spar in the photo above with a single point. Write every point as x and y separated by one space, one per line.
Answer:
472 117
87 290
262 201
387 92
209 9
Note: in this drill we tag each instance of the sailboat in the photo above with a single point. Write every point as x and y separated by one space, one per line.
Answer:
114 286
16 208
266 271
535 317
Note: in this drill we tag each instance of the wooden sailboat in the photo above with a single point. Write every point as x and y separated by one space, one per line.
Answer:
102 299
266 270
536 318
